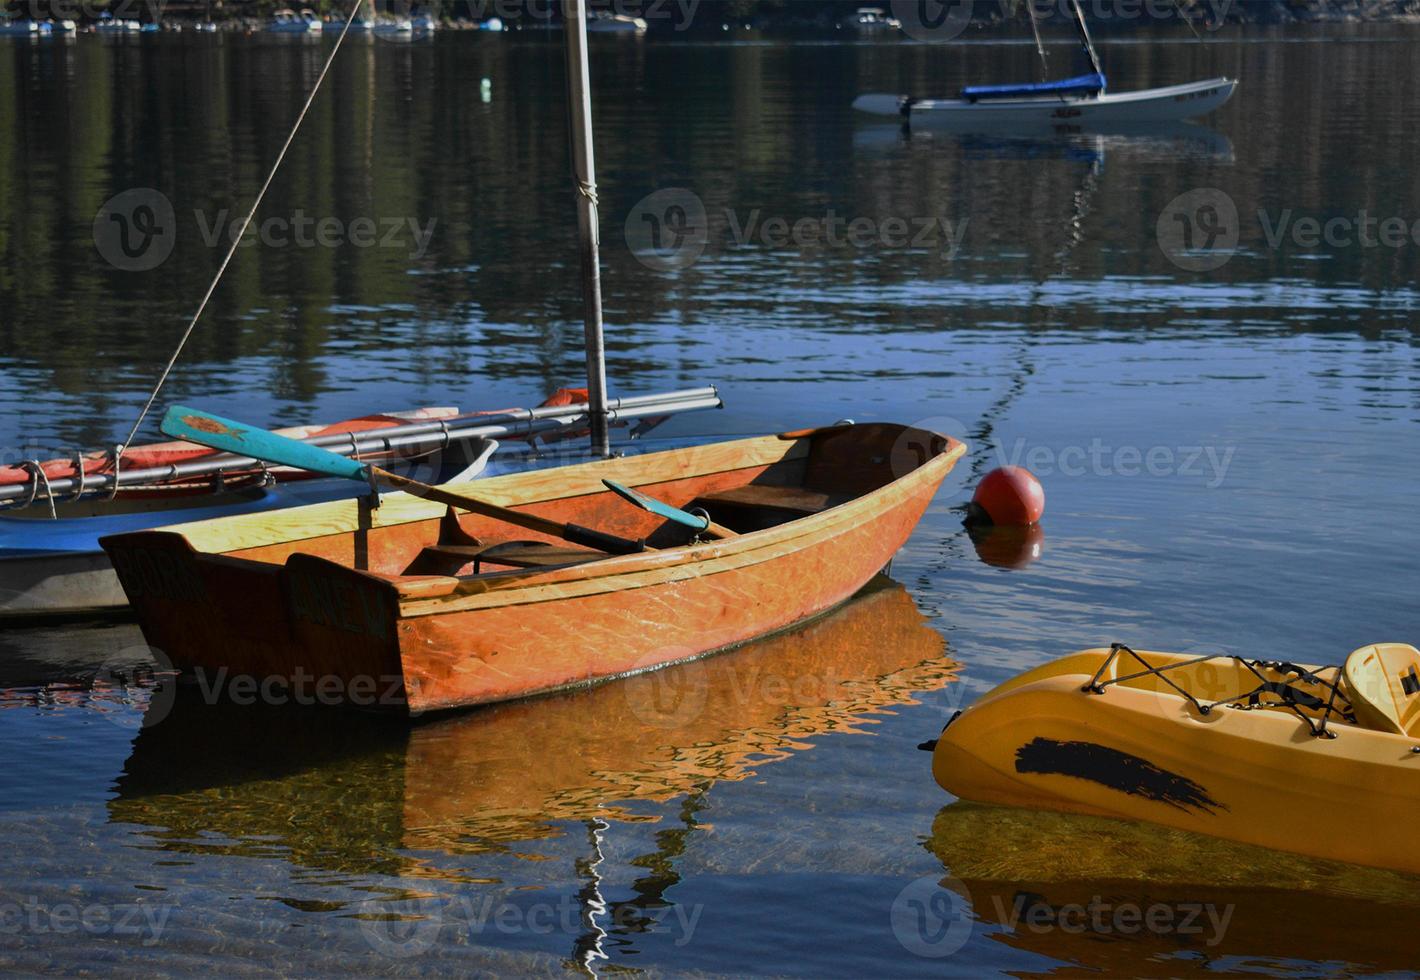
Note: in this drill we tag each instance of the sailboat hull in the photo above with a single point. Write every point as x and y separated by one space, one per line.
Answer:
1141 108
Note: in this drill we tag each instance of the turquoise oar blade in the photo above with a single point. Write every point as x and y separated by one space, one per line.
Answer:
247 440
657 507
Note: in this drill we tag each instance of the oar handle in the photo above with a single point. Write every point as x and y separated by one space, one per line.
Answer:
569 532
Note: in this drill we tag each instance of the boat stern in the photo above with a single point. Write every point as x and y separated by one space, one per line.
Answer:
310 631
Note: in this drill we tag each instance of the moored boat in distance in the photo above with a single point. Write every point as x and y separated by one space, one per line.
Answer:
606 22
287 21
26 28
441 611
872 20
1053 106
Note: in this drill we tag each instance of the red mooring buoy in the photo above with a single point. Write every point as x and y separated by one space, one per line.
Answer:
1010 496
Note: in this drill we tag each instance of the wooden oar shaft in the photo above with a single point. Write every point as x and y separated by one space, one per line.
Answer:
588 537
719 531
471 504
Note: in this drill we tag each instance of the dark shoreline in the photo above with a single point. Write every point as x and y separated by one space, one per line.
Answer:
825 18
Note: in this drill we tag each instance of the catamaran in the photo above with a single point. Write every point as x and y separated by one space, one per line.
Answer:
1077 103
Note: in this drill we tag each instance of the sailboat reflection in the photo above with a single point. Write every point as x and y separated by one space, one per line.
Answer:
1161 142
366 794
1119 897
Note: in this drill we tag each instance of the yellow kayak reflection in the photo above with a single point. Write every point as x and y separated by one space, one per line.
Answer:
1135 899
331 789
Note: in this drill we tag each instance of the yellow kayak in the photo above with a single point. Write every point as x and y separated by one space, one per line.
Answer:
1322 761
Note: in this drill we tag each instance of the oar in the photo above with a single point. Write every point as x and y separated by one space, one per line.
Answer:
662 509
247 440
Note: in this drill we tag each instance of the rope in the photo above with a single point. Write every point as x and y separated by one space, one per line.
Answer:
78 477
1186 16
246 223
1039 47
41 475
117 470
1290 698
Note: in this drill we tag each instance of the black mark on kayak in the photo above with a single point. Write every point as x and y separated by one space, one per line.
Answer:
1117 770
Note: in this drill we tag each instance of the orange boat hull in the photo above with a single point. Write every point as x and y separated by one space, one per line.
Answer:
342 613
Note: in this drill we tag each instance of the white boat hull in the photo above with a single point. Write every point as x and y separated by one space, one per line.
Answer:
72 584
1155 105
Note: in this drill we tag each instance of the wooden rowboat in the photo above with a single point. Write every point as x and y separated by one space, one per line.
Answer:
411 607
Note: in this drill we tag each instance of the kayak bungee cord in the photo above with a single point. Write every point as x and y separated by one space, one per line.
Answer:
236 240
1292 699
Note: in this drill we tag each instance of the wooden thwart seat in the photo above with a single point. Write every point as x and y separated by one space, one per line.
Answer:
445 559
797 500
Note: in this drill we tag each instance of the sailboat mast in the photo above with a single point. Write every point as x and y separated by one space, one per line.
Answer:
579 107
1085 34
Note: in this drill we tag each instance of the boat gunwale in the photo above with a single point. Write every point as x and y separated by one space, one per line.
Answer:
243 532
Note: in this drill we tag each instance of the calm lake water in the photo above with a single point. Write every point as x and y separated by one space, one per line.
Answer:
1228 452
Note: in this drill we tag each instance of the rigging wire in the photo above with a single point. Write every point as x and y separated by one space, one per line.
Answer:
1039 46
246 223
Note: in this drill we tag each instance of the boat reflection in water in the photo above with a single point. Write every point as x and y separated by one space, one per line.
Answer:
1161 142
1007 547
1068 886
336 789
